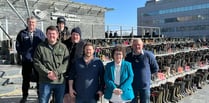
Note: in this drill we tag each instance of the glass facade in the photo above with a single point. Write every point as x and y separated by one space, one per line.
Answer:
198 17
185 28
176 10
177 18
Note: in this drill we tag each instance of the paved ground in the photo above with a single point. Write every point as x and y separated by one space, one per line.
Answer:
11 92
200 96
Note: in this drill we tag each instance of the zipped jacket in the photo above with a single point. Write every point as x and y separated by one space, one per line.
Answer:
51 58
25 47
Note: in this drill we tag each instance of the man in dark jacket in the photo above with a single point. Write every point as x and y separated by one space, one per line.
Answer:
26 42
144 64
86 78
64 33
75 46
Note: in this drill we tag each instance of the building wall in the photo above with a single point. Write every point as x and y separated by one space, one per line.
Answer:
89 18
176 18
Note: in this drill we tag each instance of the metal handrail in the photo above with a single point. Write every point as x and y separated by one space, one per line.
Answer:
5 32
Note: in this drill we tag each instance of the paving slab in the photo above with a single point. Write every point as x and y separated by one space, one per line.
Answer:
200 96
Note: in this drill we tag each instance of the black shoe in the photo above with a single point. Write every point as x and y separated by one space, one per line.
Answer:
23 100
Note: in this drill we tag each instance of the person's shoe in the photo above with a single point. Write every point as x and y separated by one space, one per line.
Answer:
23 100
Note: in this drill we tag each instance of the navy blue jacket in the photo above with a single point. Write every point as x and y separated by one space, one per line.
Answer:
143 66
24 46
88 79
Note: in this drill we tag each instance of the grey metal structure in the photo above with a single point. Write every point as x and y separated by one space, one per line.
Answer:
13 15
176 18
90 18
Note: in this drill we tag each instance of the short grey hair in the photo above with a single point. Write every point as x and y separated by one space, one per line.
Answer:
136 40
31 18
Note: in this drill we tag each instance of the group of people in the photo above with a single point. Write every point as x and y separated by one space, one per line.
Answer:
66 67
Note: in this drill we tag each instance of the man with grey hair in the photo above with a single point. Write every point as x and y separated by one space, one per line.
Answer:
26 42
144 64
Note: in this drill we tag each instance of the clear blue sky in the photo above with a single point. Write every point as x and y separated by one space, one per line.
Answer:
124 13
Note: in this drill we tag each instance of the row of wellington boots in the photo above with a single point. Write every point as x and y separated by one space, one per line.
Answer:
192 86
172 97
198 80
165 93
156 94
188 88
173 92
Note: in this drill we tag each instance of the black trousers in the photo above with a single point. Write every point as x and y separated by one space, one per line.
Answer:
27 73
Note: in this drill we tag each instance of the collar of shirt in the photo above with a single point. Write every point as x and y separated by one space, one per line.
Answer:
32 31
118 64
31 34
138 54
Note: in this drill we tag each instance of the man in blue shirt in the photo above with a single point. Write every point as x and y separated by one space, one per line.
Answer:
86 79
144 64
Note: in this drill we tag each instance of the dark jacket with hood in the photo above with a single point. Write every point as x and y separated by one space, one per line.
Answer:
75 51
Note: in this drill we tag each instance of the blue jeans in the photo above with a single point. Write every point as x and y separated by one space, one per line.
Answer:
144 95
45 90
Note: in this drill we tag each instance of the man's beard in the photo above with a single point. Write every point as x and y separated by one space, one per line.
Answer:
88 55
